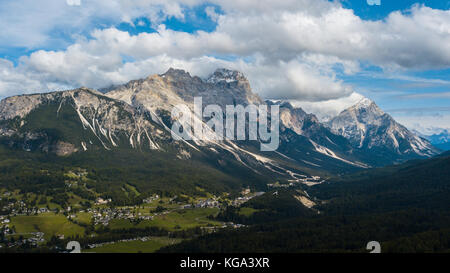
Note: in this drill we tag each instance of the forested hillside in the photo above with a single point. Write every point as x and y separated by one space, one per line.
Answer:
404 207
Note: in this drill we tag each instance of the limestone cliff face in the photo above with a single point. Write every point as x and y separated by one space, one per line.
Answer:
223 87
69 121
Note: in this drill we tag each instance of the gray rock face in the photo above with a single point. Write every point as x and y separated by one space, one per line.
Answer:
298 120
62 148
99 120
224 87
368 127
226 75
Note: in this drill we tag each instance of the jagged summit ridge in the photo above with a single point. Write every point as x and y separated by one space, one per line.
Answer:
226 75
219 75
364 103
21 105
177 86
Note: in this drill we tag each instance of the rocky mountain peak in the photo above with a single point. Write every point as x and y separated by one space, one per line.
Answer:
227 76
364 103
177 86
176 73
369 127
86 90
365 108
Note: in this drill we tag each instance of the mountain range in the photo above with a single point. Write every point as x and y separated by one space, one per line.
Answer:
440 140
136 117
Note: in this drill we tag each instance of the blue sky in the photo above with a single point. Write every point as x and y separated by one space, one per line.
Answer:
396 92
396 53
375 12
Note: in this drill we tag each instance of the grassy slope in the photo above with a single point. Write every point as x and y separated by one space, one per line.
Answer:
49 223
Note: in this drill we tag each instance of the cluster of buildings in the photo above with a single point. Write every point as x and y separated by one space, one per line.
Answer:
208 203
4 220
34 238
5 194
104 216
101 201
151 199
20 208
225 225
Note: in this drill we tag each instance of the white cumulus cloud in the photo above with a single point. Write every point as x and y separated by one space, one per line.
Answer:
293 49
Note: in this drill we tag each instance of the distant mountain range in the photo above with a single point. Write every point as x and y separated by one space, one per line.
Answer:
440 140
136 116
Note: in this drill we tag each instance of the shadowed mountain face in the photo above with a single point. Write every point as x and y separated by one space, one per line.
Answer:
136 116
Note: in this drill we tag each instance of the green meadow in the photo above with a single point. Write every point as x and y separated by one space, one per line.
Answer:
49 223
175 220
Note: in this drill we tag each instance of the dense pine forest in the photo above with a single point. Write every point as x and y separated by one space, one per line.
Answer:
404 207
